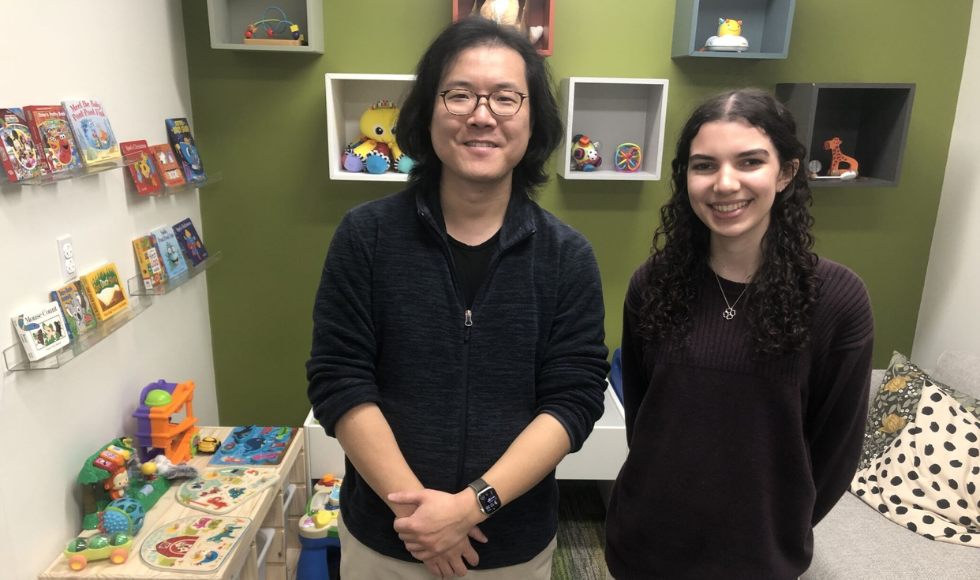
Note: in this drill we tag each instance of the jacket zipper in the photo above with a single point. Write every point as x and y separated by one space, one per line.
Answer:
467 324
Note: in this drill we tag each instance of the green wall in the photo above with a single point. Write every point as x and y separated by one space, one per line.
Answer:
260 120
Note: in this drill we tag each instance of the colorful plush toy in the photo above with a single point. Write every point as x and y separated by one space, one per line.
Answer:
585 154
729 37
377 149
509 13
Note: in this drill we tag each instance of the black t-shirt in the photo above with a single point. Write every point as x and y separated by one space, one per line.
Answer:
471 265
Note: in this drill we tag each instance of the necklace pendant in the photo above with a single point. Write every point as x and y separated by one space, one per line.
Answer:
729 313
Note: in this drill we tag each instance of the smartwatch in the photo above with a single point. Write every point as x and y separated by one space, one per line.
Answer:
486 497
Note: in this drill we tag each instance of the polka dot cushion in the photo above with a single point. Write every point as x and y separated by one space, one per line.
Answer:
927 477
895 405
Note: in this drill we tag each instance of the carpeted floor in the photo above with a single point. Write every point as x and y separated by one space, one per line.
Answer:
581 533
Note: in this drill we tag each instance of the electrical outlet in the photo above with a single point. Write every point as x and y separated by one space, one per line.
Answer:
66 253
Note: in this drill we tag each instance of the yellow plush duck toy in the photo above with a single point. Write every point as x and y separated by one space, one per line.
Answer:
729 37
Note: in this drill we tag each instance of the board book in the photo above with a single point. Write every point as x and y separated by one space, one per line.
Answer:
104 290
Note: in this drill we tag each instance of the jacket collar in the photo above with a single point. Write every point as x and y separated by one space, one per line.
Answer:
519 220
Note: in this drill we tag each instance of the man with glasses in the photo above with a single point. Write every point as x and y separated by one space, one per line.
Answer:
458 348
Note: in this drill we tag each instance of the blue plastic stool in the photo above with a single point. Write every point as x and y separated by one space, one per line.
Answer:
313 559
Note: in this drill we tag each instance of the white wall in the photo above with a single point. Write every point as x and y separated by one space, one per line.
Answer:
949 316
131 56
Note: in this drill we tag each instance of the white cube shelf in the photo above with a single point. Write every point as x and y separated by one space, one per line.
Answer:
604 452
323 454
227 20
600 458
614 111
348 96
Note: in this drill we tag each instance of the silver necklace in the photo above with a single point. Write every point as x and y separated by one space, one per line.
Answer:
730 311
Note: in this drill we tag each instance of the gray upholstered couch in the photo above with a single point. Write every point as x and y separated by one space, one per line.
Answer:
854 542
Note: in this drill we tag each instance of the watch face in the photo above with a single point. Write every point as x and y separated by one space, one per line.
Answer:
489 500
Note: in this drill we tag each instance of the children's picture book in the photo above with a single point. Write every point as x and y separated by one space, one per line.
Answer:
190 241
17 152
146 178
169 249
41 329
151 267
252 445
76 308
92 131
169 168
53 138
179 134
218 491
193 544
104 290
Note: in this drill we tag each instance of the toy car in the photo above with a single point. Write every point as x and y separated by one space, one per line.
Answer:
115 547
207 445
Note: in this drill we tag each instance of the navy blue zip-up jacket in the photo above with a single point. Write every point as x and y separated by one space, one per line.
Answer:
390 327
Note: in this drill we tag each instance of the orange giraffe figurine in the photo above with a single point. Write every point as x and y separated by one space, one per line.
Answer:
834 147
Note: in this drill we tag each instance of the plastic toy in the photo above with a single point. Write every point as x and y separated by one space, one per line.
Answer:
585 154
117 483
115 547
729 37
377 148
837 157
155 433
207 445
508 13
102 476
122 515
318 529
272 27
628 158
168 470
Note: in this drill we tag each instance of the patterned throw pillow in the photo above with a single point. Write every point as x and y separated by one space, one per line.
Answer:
895 404
927 477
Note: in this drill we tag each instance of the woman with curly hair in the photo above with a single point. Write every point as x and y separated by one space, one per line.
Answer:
746 360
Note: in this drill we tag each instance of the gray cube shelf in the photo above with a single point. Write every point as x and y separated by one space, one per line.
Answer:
766 25
871 119
227 20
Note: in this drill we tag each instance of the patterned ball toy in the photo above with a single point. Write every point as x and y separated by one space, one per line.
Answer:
122 515
628 157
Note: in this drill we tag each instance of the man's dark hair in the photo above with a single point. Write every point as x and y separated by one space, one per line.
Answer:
415 117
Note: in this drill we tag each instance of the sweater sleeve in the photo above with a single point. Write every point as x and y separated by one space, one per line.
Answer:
635 381
573 373
836 426
341 366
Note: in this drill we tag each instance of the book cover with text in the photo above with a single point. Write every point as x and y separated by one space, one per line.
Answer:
169 249
190 240
179 134
53 138
145 176
92 130
17 151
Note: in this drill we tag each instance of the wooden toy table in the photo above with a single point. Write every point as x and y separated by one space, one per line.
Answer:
266 511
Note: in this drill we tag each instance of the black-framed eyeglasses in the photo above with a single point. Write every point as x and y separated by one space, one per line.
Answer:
462 102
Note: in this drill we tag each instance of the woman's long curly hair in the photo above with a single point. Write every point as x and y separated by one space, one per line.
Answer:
780 297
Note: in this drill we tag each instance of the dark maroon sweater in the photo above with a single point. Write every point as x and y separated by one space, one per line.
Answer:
732 461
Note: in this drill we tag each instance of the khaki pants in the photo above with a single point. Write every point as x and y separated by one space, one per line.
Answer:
358 562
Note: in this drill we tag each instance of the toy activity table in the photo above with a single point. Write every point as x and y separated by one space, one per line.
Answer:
266 511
